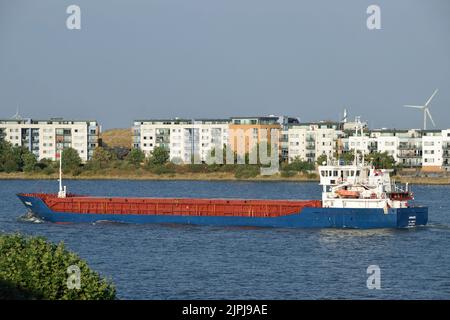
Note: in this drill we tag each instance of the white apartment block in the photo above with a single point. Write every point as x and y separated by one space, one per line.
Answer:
184 139
308 141
45 138
411 148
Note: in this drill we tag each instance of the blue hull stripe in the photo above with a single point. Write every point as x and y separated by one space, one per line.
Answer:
308 218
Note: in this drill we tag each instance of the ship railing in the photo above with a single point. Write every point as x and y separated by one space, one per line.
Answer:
338 163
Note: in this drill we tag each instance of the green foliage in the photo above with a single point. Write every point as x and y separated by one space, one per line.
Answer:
288 173
347 157
159 156
163 169
102 157
312 176
32 268
298 165
381 160
16 158
49 170
135 157
321 159
9 165
70 159
247 171
29 162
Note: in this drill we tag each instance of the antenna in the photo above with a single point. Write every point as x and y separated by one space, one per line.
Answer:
17 116
355 161
426 110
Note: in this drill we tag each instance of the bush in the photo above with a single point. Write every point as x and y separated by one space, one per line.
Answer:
29 162
48 170
288 173
135 157
311 175
247 171
76 172
158 169
298 165
10 166
158 156
198 168
32 268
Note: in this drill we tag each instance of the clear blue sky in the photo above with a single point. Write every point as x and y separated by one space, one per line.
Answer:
218 58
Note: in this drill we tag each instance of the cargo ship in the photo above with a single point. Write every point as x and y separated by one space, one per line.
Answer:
353 196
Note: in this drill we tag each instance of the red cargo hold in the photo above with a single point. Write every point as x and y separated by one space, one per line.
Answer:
176 206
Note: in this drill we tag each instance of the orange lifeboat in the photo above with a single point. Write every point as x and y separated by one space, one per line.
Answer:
348 194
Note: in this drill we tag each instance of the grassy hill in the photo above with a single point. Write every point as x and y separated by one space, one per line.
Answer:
117 138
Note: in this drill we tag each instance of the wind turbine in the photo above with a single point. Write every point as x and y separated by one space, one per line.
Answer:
426 110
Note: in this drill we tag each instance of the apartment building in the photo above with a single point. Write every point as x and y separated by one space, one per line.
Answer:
45 138
285 123
428 149
185 139
308 141
245 133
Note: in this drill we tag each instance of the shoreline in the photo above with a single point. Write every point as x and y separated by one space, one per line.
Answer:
139 176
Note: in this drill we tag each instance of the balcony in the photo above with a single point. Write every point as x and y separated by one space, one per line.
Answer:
410 155
409 147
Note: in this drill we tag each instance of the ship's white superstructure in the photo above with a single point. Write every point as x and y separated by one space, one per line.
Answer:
360 185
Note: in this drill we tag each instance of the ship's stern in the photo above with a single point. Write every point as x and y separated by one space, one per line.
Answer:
411 217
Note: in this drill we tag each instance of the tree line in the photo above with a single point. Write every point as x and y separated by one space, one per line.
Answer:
106 160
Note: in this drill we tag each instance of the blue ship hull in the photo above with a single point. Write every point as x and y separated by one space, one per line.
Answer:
307 218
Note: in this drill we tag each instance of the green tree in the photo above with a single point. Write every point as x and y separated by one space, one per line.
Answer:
33 268
321 159
298 165
347 157
159 156
135 157
29 161
102 157
70 159
11 157
381 160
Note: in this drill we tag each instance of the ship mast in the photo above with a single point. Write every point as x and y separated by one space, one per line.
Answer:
62 190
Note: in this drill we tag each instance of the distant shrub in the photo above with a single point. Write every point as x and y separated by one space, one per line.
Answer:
247 171
311 175
228 168
32 268
161 169
198 168
48 170
298 165
288 173
77 172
